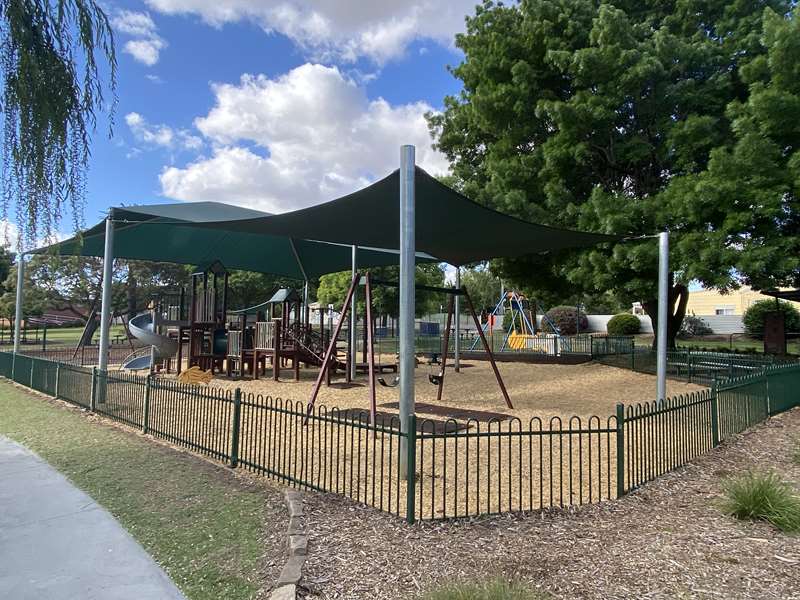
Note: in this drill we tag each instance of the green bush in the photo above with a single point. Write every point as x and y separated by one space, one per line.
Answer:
623 324
565 318
495 590
754 316
763 497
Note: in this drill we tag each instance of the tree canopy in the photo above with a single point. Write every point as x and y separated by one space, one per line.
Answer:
385 299
632 117
52 86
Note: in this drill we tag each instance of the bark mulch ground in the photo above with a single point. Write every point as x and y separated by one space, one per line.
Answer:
665 540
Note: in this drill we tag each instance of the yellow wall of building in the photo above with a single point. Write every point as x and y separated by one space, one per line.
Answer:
710 302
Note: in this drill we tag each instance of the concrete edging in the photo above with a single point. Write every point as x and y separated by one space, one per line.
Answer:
297 545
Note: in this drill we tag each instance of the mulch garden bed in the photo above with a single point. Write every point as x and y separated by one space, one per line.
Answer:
665 540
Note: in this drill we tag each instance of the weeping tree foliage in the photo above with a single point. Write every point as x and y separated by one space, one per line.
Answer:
631 117
51 52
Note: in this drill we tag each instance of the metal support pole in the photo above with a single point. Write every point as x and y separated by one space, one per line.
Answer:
407 293
663 301
353 317
305 317
18 306
457 348
105 307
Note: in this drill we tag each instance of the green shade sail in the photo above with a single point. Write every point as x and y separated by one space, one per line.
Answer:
449 225
172 233
308 243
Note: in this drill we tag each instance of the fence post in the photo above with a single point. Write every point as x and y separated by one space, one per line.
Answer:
714 415
237 408
689 365
146 407
620 450
411 462
633 357
33 362
93 389
58 379
765 373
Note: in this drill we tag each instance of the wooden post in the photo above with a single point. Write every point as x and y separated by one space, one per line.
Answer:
488 350
446 344
332 345
276 350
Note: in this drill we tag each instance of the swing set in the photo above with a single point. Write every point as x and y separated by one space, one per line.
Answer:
436 379
521 333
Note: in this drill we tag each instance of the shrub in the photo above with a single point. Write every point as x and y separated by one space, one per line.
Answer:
754 316
623 324
763 497
693 326
495 590
565 318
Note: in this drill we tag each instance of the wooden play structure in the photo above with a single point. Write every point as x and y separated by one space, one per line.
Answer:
372 369
206 330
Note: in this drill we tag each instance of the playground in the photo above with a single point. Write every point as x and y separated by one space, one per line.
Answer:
315 398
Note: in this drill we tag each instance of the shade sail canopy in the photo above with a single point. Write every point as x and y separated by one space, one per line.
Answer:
173 233
449 225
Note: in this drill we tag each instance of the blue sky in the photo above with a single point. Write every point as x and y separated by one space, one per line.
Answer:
273 104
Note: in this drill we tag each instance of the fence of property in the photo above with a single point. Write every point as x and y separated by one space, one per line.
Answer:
457 468
704 368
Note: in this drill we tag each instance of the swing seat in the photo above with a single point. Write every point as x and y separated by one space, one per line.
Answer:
384 383
435 379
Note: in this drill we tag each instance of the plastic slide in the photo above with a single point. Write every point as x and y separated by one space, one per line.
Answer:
141 327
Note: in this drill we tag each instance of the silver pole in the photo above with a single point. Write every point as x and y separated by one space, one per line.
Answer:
105 307
407 292
353 317
457 353
306 312
18 306
663 302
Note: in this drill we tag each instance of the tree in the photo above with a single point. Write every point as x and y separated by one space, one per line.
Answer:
51 89
756 313
631 117
385 299
246 288
483 287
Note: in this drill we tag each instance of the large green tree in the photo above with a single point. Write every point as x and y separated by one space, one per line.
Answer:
385 299
51 58
631 117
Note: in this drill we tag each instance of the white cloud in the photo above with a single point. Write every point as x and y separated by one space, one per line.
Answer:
343 29
147 44
316 136
145 51
161 135
10 232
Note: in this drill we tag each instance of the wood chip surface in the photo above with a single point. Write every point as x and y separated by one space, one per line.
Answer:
666 540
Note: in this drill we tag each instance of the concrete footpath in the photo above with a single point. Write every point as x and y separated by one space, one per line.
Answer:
56 543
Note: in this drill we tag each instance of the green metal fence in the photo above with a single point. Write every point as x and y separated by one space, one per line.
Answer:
459 468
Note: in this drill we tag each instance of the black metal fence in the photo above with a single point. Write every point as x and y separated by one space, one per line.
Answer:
456 468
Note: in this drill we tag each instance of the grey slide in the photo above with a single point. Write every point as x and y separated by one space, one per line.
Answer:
56 543
141 327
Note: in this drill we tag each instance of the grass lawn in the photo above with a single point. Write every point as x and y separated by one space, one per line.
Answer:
203 525
63 336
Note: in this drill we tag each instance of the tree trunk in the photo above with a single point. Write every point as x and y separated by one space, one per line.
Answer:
677 300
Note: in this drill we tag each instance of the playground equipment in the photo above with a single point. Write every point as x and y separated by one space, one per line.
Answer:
437 379
157 346
521 333
206 331
194 376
